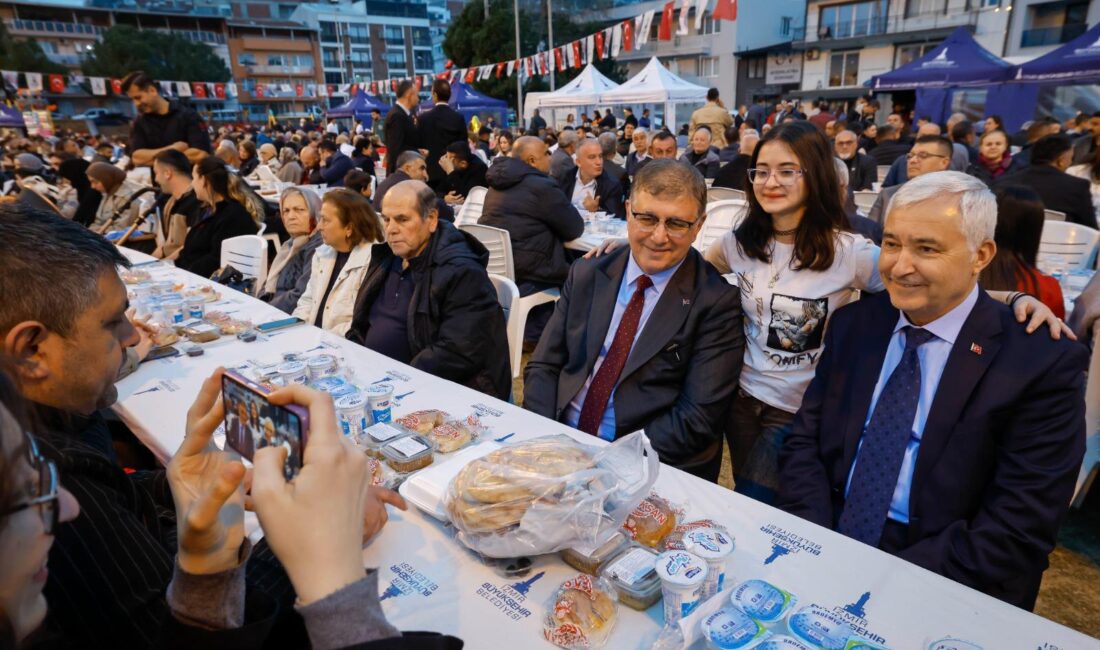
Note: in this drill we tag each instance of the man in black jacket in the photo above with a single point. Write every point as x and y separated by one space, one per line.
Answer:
440 126
530 205
162 124
400 128
862 171
334 164
589 186
465 171
1046 174
427 300
735 173
410 166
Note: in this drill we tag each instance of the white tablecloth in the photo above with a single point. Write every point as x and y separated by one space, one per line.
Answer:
593 236
430 582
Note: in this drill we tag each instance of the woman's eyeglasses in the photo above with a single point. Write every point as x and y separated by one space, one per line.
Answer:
786 177
45 494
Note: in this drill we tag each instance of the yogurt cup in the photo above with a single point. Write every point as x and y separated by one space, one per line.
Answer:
380 403
762 600
196 308
322 365
950 643
327 384
783 642
731 629
714 546
173 309
292 372
351 410
682 576
820 628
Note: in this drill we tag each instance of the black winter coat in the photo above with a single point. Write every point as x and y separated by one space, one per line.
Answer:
455 324
202 249
537 214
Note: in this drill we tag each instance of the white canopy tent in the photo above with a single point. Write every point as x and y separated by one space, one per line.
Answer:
584 90
655 84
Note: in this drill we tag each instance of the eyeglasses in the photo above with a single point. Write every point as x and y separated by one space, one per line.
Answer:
782 176
45 496
922 155
673 226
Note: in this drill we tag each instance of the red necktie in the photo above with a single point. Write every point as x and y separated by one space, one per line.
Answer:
599 391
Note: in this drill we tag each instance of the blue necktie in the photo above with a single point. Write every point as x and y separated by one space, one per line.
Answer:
883 448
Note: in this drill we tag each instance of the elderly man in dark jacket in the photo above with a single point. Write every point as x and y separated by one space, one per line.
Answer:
427 300
530 205
334 164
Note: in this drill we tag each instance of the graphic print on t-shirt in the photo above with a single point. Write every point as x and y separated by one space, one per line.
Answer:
797 324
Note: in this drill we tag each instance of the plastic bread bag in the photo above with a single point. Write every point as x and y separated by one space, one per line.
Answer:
582 613
549 493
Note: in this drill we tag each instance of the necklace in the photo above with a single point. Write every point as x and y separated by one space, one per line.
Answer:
786 233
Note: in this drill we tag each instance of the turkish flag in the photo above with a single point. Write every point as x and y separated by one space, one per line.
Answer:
725 10
558 63
576 54
470 75
628 35
198 89
219 90
116 86
664 32
259 92
57 83
599 45
299 90
499 70
419 82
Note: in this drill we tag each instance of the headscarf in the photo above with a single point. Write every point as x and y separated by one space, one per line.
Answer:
313 203
76 172
110 176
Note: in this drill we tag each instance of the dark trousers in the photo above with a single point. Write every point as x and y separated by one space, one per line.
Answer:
755 433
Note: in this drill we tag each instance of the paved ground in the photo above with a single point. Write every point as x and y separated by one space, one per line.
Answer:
1070 593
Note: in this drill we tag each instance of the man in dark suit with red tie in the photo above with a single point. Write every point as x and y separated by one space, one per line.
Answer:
936 428
649 336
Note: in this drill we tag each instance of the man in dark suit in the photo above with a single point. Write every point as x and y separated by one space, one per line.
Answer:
1046 174
588 186
935 428
649 336
440 126
400 128
334 164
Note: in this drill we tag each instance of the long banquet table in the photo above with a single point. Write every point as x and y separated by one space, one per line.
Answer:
430 582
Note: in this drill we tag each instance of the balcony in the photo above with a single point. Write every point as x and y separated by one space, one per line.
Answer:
881 30
52 28
296 70
1052 35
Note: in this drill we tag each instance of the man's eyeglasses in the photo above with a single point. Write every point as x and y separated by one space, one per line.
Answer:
782 176
673 226
922 155
45 495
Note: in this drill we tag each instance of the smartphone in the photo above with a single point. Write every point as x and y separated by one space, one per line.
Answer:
252 422
161 353
271 326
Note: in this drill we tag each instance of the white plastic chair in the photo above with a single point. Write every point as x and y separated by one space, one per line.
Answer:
1054 215
864 200
883 170
471 208
722 216
1067 246
725 194
247 254
499 243
508 296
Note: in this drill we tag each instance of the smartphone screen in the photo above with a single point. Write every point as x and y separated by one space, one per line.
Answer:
252 422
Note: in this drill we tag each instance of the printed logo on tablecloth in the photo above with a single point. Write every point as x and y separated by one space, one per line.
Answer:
511 598
484 410
399 376
855 614
407 580
157 386
785 542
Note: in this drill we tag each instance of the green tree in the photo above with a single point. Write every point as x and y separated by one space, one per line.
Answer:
472 40
162 55
25 56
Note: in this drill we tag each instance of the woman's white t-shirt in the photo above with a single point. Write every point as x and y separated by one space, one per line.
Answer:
786 311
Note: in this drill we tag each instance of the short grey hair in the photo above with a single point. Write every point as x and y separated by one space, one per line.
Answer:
977 205
841 171
608 144
567 138
58 292
406 157
670 178
589 142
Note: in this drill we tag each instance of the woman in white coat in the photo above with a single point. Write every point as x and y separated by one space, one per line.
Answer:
348 227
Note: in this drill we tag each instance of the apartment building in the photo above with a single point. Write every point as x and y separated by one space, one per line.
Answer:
276 65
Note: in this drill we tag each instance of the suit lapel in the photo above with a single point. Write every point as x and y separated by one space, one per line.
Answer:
873 340
668 316
965 368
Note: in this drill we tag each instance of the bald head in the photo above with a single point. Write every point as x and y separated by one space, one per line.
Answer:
410 217
532 151
309 156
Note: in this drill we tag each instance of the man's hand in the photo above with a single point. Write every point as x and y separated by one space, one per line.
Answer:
591 203
317 523
447 163
423 152
1040 314
206 487
179 146
145 344
454 198
606 246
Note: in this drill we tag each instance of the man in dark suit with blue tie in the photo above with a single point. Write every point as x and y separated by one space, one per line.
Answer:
649 336
935 427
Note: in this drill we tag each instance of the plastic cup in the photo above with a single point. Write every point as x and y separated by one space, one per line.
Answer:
714 546
682 576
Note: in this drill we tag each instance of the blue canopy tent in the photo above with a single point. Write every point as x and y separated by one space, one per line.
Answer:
956 62
359 107
10 117
1075 62
469 103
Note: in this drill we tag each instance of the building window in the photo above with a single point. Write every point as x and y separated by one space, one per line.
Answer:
423 60
785 25
916 8
334 77
328 31
277 59
756 68
304 61
855 19
708 66
844 69
421 37
394 35
1053 23
908 53
246 58
359 33
330 57
396 59
361 59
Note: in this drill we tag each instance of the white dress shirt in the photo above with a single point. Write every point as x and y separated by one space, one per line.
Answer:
583 190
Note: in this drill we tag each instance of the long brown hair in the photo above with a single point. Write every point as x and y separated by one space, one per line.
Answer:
1019 229
356 211
815 241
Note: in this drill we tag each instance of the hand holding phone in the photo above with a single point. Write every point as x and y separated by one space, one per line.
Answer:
253 422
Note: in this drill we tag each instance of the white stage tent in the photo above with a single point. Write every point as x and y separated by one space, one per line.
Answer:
655 84
584 90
